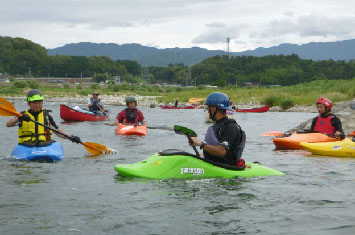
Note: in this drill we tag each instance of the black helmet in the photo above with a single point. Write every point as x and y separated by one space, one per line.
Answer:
130 99
34 95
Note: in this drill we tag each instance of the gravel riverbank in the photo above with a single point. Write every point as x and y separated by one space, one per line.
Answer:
344 110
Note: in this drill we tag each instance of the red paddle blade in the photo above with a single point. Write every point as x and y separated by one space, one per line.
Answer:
272 133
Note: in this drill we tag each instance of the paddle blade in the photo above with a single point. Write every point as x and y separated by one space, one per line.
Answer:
8 111
272 133
7 103
180 130
96 149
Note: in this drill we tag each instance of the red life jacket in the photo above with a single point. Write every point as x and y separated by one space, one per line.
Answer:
324 125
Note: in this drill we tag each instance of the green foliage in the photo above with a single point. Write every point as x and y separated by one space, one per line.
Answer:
66 86
95 86
20 84
33 84
79 87
286 104
270 100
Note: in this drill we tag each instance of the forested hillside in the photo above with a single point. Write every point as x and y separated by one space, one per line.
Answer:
21 57
150 56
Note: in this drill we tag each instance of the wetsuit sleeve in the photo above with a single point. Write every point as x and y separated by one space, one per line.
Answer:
52 122
228 135
121 116
140 116
337 124
314 123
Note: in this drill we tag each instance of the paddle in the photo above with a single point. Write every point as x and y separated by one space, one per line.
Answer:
180 130
149 127
278 133
8 109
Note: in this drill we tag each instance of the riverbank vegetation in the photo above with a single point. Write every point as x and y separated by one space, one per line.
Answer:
284 96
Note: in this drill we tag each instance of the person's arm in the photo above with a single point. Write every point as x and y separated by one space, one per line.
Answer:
119 118
140 118
101 106
12 122
338 126
314 121
216 150
74 139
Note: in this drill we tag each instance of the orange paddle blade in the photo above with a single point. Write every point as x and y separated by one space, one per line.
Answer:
7 103
8 111
272 133
95 148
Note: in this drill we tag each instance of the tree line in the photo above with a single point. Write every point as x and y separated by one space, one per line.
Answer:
22 57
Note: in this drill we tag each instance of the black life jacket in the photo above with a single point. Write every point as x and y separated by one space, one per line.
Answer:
236 148
131 115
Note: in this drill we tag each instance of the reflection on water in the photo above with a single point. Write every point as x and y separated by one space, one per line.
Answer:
83 194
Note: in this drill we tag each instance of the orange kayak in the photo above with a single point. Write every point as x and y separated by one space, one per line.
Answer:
293 141
131 130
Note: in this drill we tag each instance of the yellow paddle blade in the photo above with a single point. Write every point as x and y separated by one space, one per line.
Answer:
96 149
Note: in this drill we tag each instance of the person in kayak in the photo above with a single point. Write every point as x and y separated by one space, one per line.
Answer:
176 102
30 133
326 122
95 103
225 140
130 115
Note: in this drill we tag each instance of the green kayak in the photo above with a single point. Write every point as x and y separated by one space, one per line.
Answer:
178 164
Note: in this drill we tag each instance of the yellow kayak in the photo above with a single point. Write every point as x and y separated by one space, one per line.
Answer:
344 148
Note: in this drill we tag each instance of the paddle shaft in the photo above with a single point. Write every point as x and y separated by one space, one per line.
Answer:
194 147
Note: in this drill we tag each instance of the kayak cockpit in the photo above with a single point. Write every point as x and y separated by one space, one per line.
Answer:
174 152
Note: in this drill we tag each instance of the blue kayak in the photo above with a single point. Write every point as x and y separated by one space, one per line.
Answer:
49 153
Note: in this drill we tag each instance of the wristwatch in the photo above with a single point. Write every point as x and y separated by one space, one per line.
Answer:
203 143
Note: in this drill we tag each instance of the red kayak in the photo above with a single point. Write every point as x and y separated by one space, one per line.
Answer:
178 107
254 110
70 114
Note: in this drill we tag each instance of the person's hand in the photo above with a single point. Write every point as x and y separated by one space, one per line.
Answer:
339 135
75 139
195 141
24 117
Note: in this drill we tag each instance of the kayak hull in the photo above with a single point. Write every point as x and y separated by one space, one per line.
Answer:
52 152
293 141
254 110
344 148
183 166
131 130
178 107
70 114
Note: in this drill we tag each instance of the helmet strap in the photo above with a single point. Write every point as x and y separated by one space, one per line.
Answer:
213 116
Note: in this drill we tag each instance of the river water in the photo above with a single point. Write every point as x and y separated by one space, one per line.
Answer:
83 195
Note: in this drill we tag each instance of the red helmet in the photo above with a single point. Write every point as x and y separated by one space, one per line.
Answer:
327 103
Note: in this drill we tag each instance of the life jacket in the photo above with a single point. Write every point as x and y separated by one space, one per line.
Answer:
324 125
214 136
130 116
30 132
94 106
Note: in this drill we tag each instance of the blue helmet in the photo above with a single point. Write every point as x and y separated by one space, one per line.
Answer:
218 99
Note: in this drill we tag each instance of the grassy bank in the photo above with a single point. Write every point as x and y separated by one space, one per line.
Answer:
302 94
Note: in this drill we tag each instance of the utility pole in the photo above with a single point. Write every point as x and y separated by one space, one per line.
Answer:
228 40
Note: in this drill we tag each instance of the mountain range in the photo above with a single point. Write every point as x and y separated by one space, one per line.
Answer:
151 56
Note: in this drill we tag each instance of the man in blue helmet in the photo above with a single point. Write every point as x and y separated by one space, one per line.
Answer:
225 140
30 133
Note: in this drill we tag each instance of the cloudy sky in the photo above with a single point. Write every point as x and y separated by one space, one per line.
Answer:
179 23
